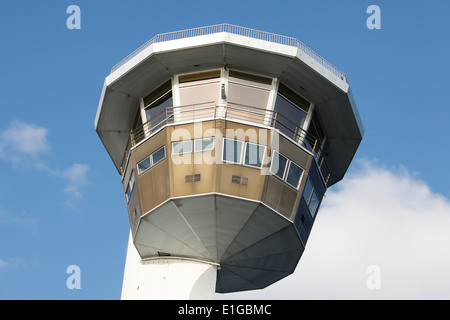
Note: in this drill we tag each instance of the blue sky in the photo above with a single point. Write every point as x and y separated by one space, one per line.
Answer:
61 200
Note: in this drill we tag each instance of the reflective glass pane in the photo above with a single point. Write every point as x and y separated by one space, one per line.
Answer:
293 175
278 165
132 180
313 204
205 144
182 147
232 150
154 111
143 165
290 118
308 191
158 155
128 193
254 154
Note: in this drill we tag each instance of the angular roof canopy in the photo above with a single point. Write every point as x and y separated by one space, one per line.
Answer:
238 48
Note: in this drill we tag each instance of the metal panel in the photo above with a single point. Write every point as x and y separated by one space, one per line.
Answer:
200 214
263 223
161 181
177 237
232 216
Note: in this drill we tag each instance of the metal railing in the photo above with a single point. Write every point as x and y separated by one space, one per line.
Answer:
241 31
232 111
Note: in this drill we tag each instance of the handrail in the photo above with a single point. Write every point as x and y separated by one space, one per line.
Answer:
237 30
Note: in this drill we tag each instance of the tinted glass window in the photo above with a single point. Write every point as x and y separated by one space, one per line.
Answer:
254 154
182 147
232 150
293 175
158 155
313 204
278 165
308 191
291 116
205 144
155 111
143 165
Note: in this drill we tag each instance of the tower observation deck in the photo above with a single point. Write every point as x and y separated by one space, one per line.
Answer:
226 139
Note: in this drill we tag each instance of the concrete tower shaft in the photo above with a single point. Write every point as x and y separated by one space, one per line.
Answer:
226 139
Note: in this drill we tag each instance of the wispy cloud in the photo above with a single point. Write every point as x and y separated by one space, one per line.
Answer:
76 177
377 216
24 139
20 141
19 219
14 263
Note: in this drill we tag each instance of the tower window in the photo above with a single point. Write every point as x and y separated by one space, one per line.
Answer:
143 165
232 150
157 101
278 165
151 160
204 144
291 110
182 147
310 196
130 186
199 76
286 170
254 155
294 174
158 155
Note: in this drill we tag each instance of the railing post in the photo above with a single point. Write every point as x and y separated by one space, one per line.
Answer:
314 147
132 139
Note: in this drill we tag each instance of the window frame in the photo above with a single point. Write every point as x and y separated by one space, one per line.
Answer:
150 165
245 153
153 163
308 182
285 167
299 178
313 211
308 200
223 151
182 153
130 186
205 150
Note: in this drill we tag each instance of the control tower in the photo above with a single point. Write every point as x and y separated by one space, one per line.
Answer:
226 140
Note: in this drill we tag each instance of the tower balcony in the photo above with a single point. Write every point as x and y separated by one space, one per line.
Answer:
209 111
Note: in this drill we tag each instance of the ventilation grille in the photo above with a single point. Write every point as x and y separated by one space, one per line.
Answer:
239 180
192 178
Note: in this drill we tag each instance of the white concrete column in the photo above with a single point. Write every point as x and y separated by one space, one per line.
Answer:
167 278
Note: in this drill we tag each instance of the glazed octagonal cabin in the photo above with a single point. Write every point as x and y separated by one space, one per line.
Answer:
227 139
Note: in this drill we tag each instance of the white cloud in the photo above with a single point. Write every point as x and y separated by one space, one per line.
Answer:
20 140
2 264
375 217
25 139
77 178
